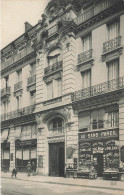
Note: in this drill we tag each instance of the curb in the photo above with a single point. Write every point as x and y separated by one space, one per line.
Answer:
50 182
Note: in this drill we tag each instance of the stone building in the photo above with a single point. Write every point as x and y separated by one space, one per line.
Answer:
62 94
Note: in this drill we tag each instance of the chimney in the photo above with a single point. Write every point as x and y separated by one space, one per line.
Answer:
27 26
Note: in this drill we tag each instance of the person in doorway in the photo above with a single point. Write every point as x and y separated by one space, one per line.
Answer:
14 172
29 168
33 168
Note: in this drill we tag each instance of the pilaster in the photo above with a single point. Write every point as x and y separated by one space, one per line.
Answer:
121 124
12 147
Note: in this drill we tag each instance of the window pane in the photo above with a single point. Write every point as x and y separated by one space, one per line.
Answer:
86 79
113 30
84 122
49 90
101 114
113 70
94 119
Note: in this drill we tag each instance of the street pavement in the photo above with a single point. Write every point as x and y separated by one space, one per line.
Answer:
58 185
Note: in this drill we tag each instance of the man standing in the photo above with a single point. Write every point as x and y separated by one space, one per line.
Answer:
33 168
29 168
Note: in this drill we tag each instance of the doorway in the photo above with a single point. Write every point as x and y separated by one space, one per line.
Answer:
56 159
99 165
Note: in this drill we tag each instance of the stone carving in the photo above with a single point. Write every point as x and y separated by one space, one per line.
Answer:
39 121
68 113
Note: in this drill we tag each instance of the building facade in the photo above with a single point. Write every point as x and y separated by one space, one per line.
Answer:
62 97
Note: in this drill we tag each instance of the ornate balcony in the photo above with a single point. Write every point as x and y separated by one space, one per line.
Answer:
55 67
85 56
56 132
5 92
112 44
18 113
31 80
99 7
18 86
102 88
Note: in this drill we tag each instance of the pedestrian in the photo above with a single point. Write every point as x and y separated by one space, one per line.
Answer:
29 168
14 172
33 168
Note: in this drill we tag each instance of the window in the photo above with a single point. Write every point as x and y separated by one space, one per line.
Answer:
50 90
113 119
19 75
6 81
18 102
5 107
33 69
56 124
86 79
54 88
113 70
84 122
113 30
33 97
54 56
86 43
97 117
58 87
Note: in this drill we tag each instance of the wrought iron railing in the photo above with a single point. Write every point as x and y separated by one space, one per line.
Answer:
98 89
82 57
5 91
16 57
56 131
99 7
31 80
18 86
111 44
54 67
17 113
52 30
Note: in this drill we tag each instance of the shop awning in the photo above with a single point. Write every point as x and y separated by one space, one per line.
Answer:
4 135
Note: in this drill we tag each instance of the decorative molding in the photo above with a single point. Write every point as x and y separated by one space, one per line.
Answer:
54 75
115 53
85 65
52 101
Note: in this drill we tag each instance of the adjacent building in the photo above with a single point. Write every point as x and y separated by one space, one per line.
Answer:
62 95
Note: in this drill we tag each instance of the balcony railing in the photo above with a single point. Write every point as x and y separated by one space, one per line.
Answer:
99 7
5 91
56 132
82 57
111 44
18 86
99 89
17 113
16 57
31 80
55 67
52 30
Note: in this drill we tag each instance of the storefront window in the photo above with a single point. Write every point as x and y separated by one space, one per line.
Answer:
84 122
113 119
98 119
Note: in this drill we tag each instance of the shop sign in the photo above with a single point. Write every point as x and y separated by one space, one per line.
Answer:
27 142
100 134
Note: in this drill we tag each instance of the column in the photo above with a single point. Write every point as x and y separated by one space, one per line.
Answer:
42 147
69 53
121 124
12 147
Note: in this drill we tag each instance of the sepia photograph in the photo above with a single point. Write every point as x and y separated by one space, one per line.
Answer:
62 97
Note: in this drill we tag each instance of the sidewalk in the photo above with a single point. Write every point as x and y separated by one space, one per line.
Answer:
98 183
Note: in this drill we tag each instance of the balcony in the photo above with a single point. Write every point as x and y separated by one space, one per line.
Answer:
51 69
5 92
31 80
112 44
102 88
16 57
18 86
85 56
18 113
56 132
98 8
53 30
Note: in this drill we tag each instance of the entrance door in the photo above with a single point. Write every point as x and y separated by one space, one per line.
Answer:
56 159
100 165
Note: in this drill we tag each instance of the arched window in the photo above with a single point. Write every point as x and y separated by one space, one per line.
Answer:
56 124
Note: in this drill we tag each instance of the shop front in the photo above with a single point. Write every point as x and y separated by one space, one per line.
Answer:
25 151
99 153
5 156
